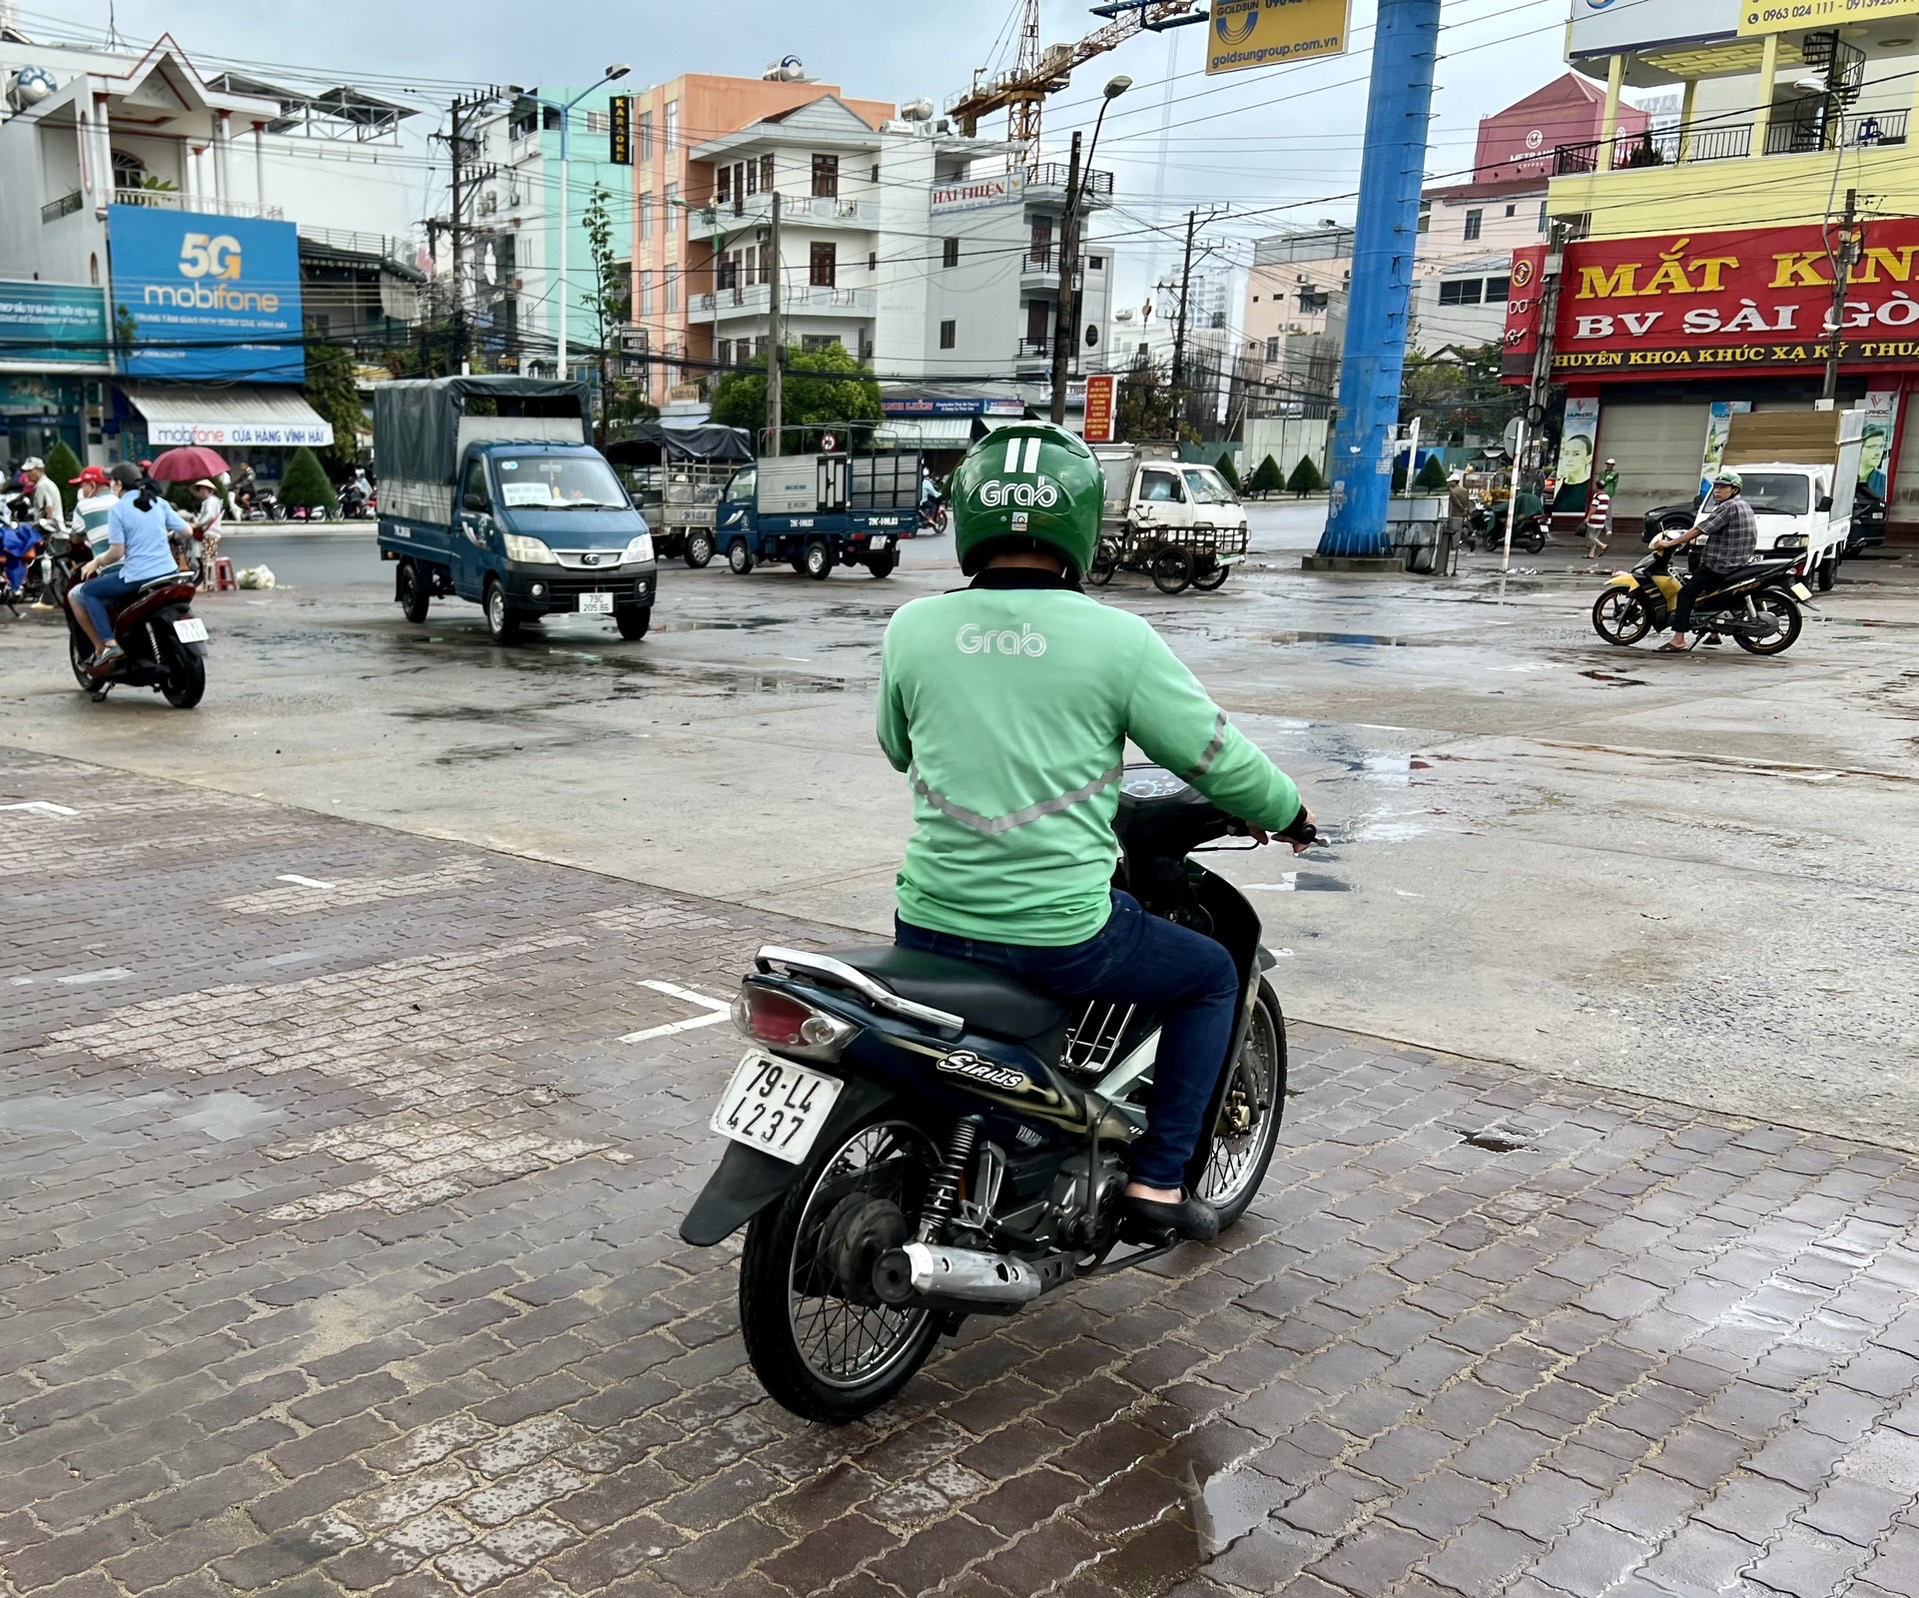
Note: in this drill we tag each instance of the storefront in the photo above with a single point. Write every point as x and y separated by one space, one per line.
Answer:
53 358
1659 340
251 423
943 426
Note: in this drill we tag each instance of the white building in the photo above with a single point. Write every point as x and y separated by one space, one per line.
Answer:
909 245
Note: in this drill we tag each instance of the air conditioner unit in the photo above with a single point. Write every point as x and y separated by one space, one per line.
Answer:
515 197
489 203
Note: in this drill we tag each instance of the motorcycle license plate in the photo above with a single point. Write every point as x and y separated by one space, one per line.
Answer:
1801 591
190 630
775 1106
596 604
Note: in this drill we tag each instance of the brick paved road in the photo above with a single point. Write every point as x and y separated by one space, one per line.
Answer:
341 1171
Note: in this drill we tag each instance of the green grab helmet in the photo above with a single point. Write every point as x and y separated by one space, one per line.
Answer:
1729 479
1032 480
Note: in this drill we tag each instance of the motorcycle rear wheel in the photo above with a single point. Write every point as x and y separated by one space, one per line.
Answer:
817 1351
1620 617
1249 1116
1791 621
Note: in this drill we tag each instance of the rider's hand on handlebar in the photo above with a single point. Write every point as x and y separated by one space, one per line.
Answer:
1305 824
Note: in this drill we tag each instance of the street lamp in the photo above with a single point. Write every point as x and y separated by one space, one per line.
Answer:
1066 329
565 107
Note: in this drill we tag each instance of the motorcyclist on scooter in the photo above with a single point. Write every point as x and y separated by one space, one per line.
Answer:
138 551
1008 705
1731 532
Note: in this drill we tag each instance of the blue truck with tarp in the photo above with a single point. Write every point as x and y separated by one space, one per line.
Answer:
491 491
819 511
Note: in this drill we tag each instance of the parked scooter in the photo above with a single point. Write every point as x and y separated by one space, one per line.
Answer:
1758 608
1486 528
165 644
916 1139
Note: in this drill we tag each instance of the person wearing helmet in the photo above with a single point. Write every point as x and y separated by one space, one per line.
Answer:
1008 704
138 550
1731 533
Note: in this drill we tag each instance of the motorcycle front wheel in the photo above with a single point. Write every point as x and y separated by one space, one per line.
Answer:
1620 617
820 1339
1791 620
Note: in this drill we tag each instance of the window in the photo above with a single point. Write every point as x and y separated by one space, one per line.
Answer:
672 126
826 177
1475 220
1039 323
746 180
475 499
1542 216
646 216
669 211
646 295
723 191
1425 216
1207 487
723 351
646 136
1461 291
129 171
1512 210
949 252
672 289
550 118
872 260
1497 288
1160 488
740 490
949 335
822 265
1779 493
1272 348
599 122
1040 251
1313 301
728 272
762 264
813 343
1096 263
766 174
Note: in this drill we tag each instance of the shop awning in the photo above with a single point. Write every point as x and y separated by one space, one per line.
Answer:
223 418
925 432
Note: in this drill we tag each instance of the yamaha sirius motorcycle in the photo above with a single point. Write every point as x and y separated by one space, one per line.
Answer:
1758 608
917 1139
165 644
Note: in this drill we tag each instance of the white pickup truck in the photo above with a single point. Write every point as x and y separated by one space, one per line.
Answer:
1789 461
1180 522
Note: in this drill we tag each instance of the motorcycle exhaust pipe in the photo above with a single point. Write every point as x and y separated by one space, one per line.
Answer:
954 1275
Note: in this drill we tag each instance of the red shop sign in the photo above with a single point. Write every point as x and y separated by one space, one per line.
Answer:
1759 299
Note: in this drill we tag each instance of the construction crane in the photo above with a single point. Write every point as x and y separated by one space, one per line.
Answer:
1036 72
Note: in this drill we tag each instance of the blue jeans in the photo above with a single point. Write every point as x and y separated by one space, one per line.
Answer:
1141 959
97 593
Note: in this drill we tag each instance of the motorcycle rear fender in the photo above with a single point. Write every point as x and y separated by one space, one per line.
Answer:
747 1180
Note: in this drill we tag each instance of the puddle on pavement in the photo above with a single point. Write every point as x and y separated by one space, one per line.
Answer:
1369 640
1302 882
1614 680
1230 1506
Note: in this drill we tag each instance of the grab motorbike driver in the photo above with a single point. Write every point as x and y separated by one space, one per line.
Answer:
1008 705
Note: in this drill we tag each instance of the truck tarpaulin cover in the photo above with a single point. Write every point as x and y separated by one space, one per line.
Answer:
1755 300
653 445
416 423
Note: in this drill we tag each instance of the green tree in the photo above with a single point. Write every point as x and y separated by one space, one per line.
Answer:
1267 477
332 391
1432 474
1148 408
1305 479
1228 470
610 302
305 483
820 388
63 466
1458 391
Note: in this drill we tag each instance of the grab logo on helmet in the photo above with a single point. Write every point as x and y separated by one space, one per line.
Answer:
1022 461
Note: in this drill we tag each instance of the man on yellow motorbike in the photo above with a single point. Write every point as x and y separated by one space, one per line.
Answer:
1731 533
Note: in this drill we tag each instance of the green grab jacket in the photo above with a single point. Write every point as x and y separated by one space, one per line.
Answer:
1008 706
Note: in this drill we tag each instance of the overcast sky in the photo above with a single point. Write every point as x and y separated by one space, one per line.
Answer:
1284 137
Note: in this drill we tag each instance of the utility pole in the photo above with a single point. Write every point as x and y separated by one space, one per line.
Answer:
1066 313
775 394
1185 289
1398 112
457 145
1553 275
1847 257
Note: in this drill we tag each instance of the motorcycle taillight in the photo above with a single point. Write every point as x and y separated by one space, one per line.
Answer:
786 1023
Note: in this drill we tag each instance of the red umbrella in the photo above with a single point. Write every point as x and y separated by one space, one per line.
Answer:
187 465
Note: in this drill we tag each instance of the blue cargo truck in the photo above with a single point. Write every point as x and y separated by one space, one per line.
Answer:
489 491
820 511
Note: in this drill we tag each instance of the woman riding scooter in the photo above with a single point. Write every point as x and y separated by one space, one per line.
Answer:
138 551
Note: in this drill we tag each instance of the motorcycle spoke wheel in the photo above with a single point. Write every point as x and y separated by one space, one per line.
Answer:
1620 618
1790 622
1249 1116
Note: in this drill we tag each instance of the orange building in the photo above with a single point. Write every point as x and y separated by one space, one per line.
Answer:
669 265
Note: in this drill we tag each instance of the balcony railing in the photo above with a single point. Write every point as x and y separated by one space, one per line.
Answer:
173 200
1732 142
751 209
66 205
807 299
1054 175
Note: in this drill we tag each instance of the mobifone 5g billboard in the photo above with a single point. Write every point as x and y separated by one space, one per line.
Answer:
200 297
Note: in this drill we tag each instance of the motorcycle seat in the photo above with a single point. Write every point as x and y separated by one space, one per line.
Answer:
987 1001
174 579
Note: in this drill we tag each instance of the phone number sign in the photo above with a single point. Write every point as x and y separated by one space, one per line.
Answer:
1777 16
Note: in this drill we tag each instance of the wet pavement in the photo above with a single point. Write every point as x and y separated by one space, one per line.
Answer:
1677 876
341 1169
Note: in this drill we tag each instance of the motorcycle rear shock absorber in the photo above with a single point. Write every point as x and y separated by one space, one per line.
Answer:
943 1196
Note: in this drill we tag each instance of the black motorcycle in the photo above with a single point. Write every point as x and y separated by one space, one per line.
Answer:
1757 606
1486 527
917 1139
935 515
165 644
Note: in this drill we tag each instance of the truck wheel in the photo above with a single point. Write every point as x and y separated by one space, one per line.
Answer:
818 560
882 565
1828 573
699 550
633 621
739 559
412 590
502 626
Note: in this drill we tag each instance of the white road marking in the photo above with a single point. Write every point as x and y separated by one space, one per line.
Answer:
303 882
112 973
43 806
718 1010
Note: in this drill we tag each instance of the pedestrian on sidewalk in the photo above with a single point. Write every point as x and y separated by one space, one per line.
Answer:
1598 521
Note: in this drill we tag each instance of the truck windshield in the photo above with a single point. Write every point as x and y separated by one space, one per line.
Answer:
558 482
1207 487
1778 493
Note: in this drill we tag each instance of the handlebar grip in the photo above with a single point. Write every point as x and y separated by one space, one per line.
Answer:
1301 829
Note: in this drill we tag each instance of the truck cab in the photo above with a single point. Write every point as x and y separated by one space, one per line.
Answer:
491 493
816 512
1790 462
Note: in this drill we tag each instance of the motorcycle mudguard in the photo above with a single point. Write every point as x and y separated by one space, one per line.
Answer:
747 1180
1624 580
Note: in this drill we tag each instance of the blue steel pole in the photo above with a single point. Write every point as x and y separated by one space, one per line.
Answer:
1386 233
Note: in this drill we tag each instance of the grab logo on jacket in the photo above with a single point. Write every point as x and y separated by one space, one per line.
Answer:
972 639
